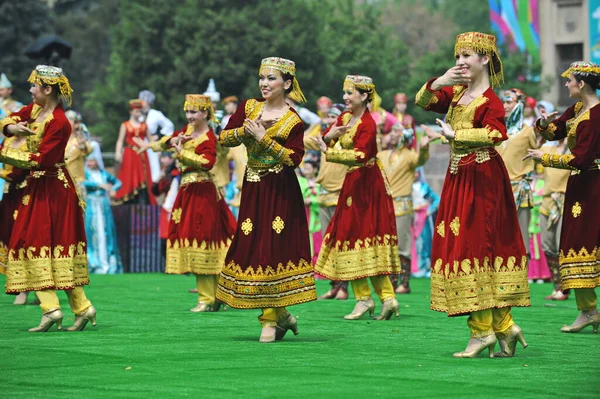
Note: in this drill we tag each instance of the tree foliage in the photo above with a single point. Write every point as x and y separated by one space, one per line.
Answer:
21 23
172 48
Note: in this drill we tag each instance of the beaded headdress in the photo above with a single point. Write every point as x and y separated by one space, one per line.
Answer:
50 75
584 68
483 44
285 66
364 83
199 102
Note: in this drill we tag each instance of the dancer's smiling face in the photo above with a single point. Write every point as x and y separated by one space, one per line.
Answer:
272 84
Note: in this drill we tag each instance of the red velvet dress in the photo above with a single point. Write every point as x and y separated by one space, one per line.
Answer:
268 264
201 226
13 192
134 172
478 256
47 245
579 256
361 239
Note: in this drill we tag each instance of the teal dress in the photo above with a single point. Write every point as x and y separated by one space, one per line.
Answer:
102 250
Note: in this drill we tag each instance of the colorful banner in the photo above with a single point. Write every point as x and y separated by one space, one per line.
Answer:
594 30
516 23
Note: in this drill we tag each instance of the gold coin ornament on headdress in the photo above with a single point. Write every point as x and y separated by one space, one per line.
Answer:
481 43
50 75
284 66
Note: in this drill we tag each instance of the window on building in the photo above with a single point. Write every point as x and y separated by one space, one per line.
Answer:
566 54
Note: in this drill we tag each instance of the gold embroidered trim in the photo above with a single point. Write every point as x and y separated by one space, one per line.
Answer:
425 98
476 284
254 175
278 225
476 137
267 286
16 157
260 155
346 157
7 121
580 269
195 176
25 200
576 210
572 125
15 214
204 258
176 215
61 176
247 226
455 226
349 201
441 229
52 268
369 257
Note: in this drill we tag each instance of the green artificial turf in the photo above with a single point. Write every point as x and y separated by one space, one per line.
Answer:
147 344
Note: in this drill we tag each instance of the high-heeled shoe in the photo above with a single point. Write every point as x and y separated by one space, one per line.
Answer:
508 341
287 323
48 320
591 320
21 299
201 307
389 308
267 334
81 321
488 342
360 309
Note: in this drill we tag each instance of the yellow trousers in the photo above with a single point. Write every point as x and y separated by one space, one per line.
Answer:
382 285
586 299
207 287
490 321
77 300
270 316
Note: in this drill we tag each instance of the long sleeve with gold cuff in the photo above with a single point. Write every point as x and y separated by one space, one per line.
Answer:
557 129
281 154
162 144
492 133
584 145
357 143
234 133
434 100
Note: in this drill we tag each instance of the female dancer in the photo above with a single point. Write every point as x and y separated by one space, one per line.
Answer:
52 256
480 262
579 257
134 171
100 187
268 265
201 225
361 239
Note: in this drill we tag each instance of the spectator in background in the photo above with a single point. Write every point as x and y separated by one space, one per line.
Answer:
230 104
529 111
100 186
158 125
